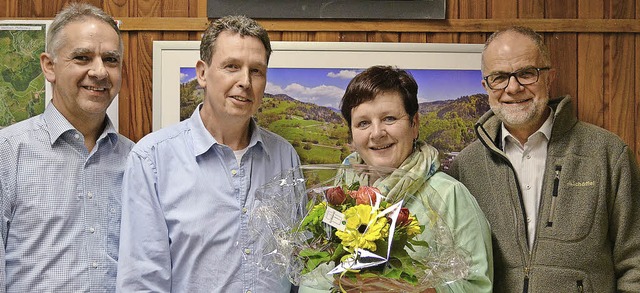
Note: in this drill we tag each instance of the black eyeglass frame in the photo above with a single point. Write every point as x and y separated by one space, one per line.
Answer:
515 74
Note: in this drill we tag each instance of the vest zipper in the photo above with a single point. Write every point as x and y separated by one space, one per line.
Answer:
580 286
556 185
525 287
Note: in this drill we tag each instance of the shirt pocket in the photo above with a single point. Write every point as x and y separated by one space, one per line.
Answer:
114 214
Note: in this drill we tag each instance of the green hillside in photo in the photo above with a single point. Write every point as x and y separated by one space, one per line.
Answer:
320 135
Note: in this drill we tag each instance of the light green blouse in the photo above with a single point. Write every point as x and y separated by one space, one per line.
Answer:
468 229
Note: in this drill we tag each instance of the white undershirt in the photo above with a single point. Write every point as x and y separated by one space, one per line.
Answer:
529 161
239 154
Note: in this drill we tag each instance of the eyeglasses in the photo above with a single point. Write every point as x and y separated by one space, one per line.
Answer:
524 76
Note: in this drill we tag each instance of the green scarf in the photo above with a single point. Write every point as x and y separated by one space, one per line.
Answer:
408 178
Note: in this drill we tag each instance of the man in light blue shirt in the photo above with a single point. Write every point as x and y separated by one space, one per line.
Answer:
189 188
61 171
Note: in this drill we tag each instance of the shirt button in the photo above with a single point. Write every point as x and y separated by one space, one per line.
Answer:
90 194
244 210
94 265
248 291
76 136
234 172
247 251
92 230
528 220
528 187
528 156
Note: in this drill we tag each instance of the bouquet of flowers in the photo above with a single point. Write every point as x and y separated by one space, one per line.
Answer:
353 229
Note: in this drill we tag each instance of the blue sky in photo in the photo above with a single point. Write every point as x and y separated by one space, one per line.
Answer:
325 86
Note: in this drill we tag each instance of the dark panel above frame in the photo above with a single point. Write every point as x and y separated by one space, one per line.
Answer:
336 9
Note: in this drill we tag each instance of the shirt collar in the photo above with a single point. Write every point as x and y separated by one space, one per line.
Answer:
203 140
545 129
56 124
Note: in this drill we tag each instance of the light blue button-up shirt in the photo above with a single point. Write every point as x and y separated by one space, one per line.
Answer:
60 206
186 206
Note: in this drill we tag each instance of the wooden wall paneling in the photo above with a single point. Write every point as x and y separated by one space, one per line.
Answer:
560 9
621 57
50 8
25 8
201 10
501 9
472 9
273 36
564 49
129 99
353 37
383 37
590 96
141 83
637 87
324 37
295 36
413 38
197 36
531 8
451 12
442 38
147 8
7 9
126 116
141 59
590 93
116 8
620 8
621 93
175 8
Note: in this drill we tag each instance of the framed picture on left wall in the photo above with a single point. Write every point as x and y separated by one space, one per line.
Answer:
24 91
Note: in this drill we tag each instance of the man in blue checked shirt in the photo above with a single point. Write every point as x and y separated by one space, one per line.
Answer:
61 171
188 188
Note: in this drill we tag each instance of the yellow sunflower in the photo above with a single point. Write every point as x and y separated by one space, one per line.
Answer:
413 228
363 228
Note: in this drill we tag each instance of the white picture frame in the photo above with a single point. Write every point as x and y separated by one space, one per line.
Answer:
170 56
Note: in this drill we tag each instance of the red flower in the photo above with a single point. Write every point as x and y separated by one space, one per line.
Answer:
365 195
335 195
403 218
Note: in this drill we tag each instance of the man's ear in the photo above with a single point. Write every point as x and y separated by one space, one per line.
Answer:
484 85
46 64
552 75
201 70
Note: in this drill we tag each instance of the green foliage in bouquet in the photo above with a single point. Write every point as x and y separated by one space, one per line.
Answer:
363 227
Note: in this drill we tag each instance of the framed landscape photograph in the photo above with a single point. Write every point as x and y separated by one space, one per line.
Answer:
306 81
22 85
24 91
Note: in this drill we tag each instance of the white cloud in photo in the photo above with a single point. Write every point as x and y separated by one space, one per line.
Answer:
343 74
323 95
185 78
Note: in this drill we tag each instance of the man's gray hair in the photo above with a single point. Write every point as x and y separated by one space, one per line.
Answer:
239 24
537 39
72 13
